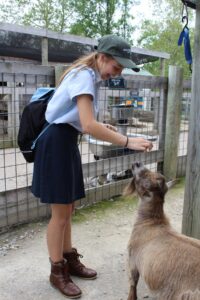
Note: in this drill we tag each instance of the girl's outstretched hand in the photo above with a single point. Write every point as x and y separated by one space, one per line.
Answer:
139 144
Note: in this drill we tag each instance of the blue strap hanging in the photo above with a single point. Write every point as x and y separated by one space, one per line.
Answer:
184 36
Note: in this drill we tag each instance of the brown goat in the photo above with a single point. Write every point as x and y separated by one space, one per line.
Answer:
168 262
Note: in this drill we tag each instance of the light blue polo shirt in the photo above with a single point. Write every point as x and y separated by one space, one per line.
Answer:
62 108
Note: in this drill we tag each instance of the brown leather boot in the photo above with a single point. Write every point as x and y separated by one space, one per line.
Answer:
76 268
60 279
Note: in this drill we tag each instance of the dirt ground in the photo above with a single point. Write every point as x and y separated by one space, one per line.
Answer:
100 233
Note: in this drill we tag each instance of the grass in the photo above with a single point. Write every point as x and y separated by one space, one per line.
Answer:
105 207
180 184
116 204
96 211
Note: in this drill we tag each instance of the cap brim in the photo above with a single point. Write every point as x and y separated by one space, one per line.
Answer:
127 63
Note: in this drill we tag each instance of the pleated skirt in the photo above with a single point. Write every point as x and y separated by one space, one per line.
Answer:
57 174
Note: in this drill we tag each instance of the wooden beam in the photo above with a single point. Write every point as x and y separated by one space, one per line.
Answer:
21 68
191 211
175 90
44 51
190 3
72 38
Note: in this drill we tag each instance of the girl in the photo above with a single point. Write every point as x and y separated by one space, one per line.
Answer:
57 177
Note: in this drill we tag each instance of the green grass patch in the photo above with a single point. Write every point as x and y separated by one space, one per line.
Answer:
126 204
102 208
180 184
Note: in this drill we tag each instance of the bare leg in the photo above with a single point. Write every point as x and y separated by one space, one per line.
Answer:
67 242
60 221
76 268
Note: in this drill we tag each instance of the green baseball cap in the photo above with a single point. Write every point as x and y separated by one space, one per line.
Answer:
119 49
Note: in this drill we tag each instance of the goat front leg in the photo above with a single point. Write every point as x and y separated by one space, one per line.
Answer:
134 277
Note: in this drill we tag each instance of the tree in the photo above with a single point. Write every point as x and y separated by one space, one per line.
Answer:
92 18
96 18
124 27
50 14
12 11
162 35
40 14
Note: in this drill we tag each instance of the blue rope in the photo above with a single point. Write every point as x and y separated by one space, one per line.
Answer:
184 36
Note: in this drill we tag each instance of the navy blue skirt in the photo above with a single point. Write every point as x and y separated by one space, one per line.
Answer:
57 174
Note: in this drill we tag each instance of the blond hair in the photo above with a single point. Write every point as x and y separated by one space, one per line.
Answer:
89 60
82 62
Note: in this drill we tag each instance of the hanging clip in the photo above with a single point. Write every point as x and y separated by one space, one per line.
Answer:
185 14
185 19
184 36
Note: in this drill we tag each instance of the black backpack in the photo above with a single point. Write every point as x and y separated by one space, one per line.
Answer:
32 123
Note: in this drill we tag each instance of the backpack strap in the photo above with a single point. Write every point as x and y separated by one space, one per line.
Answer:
41 133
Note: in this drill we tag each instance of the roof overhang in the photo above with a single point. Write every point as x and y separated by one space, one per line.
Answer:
25 42
190 3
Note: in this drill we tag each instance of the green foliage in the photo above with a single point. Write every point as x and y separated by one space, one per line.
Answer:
162 35
11 11
40 14
96 18
49 14
97 211
123 25
91 18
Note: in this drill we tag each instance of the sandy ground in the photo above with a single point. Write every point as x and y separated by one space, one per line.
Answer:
102 239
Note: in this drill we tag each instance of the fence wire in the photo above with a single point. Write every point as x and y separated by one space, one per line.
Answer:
135 105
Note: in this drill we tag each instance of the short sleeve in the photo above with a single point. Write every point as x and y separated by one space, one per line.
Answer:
79 83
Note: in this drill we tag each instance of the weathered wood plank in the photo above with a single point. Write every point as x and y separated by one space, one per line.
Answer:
20 68
187 84
138 81
191 211
175 90
73 38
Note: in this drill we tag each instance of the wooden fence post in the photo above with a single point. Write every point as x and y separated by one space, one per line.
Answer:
191 210
44 51
161 122
175 88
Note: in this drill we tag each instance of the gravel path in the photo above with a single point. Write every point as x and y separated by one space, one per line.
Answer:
24 266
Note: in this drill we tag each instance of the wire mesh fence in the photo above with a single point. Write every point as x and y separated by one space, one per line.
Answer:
135 105
184 126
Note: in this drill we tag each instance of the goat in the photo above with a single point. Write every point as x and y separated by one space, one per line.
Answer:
168 262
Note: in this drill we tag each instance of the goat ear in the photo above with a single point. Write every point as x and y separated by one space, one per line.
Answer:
162 184
130 188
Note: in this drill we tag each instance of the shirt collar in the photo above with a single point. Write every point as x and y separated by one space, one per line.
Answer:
97 77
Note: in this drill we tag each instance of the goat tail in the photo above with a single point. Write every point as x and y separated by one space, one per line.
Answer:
190 295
